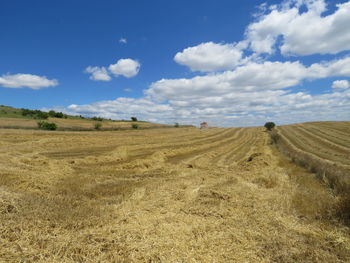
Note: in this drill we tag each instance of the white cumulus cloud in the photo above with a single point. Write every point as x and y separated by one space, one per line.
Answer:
340 84
248 95
211 56
251 77
126 67
98 73
233 109
303 33
26 81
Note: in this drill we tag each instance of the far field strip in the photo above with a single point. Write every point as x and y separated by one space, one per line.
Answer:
311 146
329 135
323 141
341 129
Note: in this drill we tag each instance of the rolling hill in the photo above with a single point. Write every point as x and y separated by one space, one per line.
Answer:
14 118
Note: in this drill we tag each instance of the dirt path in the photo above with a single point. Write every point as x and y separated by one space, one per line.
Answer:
232 199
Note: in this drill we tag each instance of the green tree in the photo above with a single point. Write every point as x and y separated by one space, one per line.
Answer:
269 125
55 114
41 115
52 113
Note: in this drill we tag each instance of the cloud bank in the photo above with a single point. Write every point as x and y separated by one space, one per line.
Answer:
255 80
302 33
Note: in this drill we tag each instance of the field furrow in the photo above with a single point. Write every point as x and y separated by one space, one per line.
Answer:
329 135
308 144
342 129
333 132
323 142
217 156
241 149
188 151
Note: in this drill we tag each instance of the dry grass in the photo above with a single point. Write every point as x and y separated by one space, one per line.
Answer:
163 195
343 208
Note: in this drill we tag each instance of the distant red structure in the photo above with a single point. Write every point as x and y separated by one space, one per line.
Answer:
204 125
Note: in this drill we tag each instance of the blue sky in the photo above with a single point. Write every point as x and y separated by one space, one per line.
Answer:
227 62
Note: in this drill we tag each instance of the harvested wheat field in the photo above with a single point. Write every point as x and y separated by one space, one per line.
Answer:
323 147
166 195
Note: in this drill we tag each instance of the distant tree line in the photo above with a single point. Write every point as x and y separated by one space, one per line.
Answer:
42 115
38 114
97 119
55 114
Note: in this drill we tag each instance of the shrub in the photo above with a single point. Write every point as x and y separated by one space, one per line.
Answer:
269 125
52 113
44 125
97 125
26 112
55 114
177 125
41 115
133 118
97 118
135 126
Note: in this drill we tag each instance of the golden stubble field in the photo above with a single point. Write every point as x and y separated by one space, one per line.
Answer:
323 147
162 195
